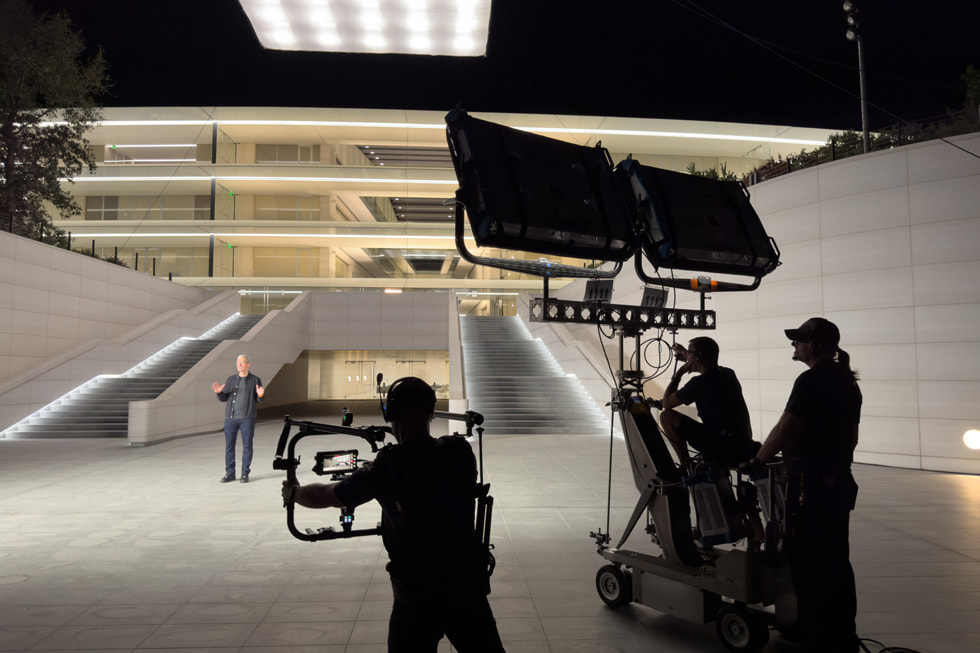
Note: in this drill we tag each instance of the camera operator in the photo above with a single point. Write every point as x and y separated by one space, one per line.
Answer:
438 565
817 433
724 433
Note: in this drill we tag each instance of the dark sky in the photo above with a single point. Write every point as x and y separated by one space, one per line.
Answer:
764 61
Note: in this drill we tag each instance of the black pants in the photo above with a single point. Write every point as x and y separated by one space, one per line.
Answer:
419 620
819 551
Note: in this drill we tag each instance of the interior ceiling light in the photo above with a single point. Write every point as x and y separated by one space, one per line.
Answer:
457 28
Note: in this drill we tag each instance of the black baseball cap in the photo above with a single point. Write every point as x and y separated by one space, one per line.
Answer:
816 329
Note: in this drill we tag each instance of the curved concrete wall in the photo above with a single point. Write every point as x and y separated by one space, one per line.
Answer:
887 245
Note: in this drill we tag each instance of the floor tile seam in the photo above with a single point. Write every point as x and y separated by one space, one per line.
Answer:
906 534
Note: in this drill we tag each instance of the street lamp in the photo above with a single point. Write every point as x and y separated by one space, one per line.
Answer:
854 34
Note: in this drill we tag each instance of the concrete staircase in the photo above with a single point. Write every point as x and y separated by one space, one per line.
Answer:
99 408
518 386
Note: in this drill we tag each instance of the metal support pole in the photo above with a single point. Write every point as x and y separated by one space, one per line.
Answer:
214 190
853 33
622 353
864 95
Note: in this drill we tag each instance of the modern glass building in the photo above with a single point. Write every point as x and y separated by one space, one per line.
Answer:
270 201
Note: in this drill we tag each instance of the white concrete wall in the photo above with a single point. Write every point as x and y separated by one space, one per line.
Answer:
378 321
25 393
458 402
53 300
887 245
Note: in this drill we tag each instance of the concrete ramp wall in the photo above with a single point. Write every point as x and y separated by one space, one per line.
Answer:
190 407
27 392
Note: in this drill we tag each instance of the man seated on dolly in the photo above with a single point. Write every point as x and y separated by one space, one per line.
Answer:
724 434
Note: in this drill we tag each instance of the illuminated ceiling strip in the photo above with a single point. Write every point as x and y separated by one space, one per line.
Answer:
661 134
540 130
120 147
334 123
221 234
273 292
269 123
352 180
93 178
148 123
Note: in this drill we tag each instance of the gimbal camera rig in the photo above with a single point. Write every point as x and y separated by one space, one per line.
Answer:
342 463
529 193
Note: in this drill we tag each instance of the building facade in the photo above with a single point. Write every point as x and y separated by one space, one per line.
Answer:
269 201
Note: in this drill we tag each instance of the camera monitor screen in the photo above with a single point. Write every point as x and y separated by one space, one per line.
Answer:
699 224
536 194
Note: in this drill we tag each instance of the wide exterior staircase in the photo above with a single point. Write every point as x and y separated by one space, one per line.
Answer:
515 382
99 408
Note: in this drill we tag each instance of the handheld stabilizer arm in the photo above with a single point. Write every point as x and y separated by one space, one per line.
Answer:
289 463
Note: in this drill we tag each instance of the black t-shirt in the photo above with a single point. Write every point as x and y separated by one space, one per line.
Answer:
427 494
721 406
827 398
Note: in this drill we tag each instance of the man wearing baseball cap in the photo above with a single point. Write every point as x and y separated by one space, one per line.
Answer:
817 434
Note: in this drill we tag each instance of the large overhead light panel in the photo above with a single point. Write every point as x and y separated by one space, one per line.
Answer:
435 27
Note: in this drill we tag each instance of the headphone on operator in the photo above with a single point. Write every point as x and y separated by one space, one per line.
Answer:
396 406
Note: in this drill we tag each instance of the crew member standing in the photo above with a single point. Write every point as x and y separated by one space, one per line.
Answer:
438 564
241 393
817 434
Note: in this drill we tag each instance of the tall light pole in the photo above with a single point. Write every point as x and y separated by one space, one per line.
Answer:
853 33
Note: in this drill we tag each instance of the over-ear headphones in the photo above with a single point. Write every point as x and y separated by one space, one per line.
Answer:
407 395
390 411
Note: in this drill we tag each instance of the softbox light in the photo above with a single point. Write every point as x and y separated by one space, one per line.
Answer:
697 224
536 194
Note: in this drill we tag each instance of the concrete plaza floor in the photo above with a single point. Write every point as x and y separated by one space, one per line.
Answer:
106 547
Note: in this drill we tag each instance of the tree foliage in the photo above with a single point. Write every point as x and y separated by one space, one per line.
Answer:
723 174
48 99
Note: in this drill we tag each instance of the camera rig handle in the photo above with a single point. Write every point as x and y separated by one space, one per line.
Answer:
289 463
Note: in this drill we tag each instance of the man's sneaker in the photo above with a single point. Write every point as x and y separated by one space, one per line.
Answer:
227 478
244 478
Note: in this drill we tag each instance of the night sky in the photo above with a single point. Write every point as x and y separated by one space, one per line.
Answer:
766 61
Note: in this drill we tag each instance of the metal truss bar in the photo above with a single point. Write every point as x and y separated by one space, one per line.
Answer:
547 309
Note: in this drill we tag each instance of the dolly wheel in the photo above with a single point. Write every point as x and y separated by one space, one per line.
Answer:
739 630
614 585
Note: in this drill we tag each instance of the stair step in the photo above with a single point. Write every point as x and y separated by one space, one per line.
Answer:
513 380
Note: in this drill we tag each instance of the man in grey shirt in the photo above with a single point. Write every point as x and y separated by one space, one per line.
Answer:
241 394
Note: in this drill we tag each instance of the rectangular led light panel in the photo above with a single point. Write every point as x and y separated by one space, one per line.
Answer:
456 28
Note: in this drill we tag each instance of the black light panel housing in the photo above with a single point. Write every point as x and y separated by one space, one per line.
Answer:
696 223
536 194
